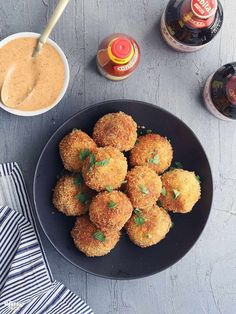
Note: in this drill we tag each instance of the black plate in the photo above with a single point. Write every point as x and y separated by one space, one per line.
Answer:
126 261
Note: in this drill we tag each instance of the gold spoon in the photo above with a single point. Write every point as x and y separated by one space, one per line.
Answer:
52 22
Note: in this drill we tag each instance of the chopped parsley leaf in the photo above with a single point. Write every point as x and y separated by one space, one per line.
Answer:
83 198
83 154
179 165
79 179
143 189
98 235
92 160
111 204
155 160
148 131
104 162
198 178
109 188
164 192
159 203
137 212
176 194
139 220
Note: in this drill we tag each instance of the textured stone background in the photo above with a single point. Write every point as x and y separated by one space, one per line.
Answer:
204 281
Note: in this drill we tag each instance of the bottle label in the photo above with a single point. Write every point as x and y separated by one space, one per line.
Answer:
209 103
190 19
131 64
204 8
171 41
231 90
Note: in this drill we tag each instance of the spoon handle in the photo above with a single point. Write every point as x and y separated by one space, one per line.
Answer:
52 22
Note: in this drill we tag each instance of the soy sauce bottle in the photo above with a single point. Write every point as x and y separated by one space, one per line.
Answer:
189 25
220 93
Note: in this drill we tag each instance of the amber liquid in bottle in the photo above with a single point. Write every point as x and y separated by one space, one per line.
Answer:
185 31
220 93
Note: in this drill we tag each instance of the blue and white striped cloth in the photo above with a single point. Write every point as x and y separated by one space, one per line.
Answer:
26 282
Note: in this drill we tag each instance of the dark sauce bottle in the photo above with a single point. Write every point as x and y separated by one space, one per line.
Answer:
189 25
220 93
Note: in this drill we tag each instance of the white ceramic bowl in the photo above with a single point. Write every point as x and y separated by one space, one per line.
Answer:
66 82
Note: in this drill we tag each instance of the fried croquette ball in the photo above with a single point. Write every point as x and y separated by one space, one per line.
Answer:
110 210
148 226
74 148
104 169
143 186
154 151
92 241
118 130
71 196
181 190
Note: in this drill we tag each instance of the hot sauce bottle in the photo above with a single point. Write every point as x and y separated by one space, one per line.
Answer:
118 56
189 25
220 93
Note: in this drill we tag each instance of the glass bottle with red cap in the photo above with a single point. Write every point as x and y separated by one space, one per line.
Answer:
220 93
118 56
189 25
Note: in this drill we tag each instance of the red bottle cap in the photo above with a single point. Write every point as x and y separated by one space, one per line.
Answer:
231 90
121 48
204 8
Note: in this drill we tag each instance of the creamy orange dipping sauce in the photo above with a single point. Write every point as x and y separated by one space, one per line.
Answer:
29 83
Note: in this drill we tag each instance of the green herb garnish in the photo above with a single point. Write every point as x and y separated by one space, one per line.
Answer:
155 160
79 179
111 204
83 154
179 165
139 220
137 142
83 198
198 178
92 160
104 162
137 212
148 131
176 194
98 235
159 203
164 192
143 189
109 188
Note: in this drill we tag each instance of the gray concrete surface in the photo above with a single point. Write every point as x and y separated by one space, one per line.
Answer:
204 281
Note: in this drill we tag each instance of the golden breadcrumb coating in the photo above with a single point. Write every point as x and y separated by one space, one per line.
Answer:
110 210
181 190
148 226
73 148
154 151
71 196
105 168
118 130
143 186
92 241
